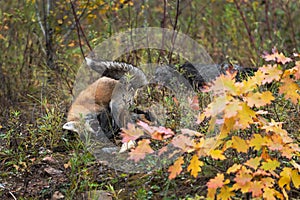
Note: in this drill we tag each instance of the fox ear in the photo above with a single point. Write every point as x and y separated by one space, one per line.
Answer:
70 126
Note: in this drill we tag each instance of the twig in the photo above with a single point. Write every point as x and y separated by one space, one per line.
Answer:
163 25
77 28
66 35
174 36
39 19
245 23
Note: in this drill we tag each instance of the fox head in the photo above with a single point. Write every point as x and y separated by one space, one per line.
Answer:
88 123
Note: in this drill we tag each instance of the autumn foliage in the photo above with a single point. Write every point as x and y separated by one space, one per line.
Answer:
261 153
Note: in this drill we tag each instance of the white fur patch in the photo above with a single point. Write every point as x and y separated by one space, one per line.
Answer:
127 146
71 126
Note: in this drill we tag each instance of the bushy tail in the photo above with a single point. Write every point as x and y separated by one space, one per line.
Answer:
115 70
130 79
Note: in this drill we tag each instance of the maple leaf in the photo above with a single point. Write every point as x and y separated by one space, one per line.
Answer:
261 172
269 194
234 168
270 73
242 178
131 134
257 142
216 182
194 102
224 83
295 178
275 143
297 69
157 133
270 165
258 99
195 166
217 106
245 117
253 162
239 144
290 90
191 133
141 150
232 108
225 193
255 188
252 83
268 182
183 142
217 154
285 178
176 168
277 57
161 133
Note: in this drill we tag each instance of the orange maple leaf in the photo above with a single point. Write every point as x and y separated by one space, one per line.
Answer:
216 182
131 133
195 166
239 144
290 90
194 102
258 99
176 168
242 178
157 133
297 69
256 188
141 150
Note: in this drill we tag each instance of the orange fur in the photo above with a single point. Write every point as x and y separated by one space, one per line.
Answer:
93 99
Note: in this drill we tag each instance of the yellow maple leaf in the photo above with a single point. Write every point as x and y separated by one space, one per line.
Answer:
225 193
195 166
231 109
285 178
270 164
258 99
269 193
253 162
234 168
245 116
290 90
258 141
217 154
270 73
239 144
295 178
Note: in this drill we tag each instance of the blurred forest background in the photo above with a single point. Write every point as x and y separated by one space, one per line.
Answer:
41 42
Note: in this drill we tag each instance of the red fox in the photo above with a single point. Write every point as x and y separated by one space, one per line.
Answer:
95 98
98 96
